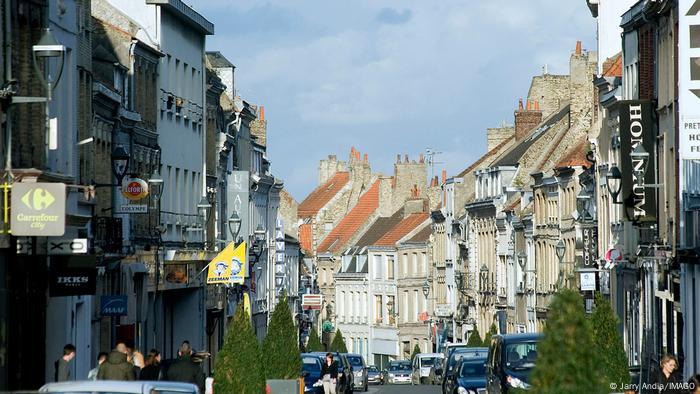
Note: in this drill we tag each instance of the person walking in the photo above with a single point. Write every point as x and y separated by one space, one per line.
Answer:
152 369
102 357
116 367
329 374
668 379
184 369
62 364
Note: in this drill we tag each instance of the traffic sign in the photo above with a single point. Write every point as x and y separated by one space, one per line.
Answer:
311 301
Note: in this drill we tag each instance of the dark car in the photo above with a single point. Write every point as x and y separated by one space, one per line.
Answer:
345 383
311 370
457 354
359 370
469 377
373 375
510 362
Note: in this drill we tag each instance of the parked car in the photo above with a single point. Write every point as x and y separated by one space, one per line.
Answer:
359 370
374 376
510 361
117 387
345 384
422 363
398 374
311 371
469 377
457 355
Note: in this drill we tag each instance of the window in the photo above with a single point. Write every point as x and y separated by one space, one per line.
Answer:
341 305
378 310
404 307
377 266
404 264
414 264
415 306
424 263
394 309
390 267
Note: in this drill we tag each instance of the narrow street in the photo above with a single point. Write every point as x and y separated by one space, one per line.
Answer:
403 389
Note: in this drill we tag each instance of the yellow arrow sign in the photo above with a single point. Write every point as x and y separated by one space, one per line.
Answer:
228 266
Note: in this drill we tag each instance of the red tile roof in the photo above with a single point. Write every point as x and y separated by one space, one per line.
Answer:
322 194
306 237
576 156
612 66
404 227
351 223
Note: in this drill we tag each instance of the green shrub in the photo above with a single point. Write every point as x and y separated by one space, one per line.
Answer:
314 343
338 344
606 338
240 352
416 350
492 331
475 339
280 350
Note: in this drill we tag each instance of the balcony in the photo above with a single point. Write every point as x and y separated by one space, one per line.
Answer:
108 234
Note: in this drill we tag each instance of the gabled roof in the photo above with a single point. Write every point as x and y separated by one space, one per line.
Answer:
380 227
576 155
488 155
351 223
421 236
612 66
512 157
322 194
306 237
400 230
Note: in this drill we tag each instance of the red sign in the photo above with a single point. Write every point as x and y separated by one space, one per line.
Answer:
311 301
135 189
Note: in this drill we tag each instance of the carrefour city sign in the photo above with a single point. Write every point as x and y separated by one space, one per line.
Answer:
38 209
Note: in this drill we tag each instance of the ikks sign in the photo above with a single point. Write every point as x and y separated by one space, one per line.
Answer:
637 127
72 281
135 189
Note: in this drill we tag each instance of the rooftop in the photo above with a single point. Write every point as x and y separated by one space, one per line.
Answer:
306 240
322 194
380 227
186 13
402 229
351 223
421 236
576 155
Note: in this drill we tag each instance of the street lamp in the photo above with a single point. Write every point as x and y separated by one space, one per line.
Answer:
234 226
614 183
120 163
258 242
522 260
560 249
47 49
426 289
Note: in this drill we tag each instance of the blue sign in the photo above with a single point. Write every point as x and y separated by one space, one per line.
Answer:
113 305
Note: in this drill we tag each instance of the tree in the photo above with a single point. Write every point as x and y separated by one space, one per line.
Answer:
240 352
567 360
606 339
492 331
338 344
281 356
416 350
474 339
314 344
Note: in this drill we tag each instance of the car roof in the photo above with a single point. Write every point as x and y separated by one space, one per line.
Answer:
422 355
352 354
526 337
116 386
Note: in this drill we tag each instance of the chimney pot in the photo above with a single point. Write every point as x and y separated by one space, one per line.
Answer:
421 159
578 47
527 108
537 105
520 105
444 176
405 158
365 158
398 158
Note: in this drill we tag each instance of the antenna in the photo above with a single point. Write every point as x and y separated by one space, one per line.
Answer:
431 153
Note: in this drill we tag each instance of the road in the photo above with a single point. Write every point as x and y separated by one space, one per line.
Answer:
403 389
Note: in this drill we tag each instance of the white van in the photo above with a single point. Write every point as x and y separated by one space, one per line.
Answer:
422 364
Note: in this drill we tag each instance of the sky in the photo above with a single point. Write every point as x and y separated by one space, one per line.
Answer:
389 77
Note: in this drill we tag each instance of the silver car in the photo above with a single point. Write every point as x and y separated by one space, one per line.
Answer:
118 387
359 371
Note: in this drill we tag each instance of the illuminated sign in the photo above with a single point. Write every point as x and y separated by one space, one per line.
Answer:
38 209
135 189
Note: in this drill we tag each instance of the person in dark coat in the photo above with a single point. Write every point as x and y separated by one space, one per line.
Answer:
329 374
184 369
694 384
668 379
116 367
62 365
152 369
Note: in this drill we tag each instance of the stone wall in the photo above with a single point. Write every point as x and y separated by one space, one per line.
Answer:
288 212
496 135
408 175
258 127
328 167
550 91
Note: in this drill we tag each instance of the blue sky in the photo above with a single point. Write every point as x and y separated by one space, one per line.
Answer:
389 77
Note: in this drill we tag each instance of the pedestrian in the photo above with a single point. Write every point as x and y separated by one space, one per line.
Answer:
102 357
152 369
62 367
184 369
329 374
116 367
694 384
668 379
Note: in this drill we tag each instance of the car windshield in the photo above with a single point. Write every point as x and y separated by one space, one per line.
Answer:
310 364
355 361
428 361
456 356
373 369
400 367
472 369
520 356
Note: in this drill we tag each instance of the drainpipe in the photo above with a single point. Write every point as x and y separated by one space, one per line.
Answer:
7 40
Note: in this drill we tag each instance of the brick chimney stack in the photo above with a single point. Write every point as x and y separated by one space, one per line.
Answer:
527 119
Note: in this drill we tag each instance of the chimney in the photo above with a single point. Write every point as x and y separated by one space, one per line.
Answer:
365 158
444 176
520 105
385 203
421 159
405 158
398 158
578 47
262 112
527 120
